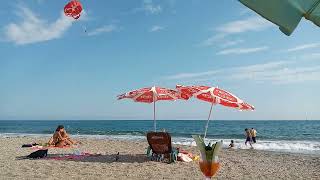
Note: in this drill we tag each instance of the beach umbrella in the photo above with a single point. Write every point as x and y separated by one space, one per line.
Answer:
286 13
151 95
213 95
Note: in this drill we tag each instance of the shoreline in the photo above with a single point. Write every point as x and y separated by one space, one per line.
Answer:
133 164
283 146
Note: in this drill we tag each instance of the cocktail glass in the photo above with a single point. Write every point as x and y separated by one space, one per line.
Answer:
209 162
209 168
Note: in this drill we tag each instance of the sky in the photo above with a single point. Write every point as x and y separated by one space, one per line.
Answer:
55 68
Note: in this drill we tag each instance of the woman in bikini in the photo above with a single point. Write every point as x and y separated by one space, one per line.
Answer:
60 138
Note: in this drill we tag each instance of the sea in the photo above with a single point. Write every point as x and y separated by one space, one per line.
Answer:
280 136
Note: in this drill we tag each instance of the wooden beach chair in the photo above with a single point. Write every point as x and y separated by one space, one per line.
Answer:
160 147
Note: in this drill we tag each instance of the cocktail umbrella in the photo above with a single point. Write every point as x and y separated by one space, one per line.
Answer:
151 95
286 13
214 96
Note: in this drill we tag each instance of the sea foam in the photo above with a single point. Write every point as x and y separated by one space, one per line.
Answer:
305 147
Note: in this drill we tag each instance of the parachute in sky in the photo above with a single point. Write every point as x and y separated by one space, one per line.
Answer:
73 9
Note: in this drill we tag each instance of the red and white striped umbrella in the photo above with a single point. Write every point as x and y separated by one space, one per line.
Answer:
213 95
151 95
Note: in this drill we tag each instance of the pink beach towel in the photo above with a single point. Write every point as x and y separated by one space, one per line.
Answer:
50 147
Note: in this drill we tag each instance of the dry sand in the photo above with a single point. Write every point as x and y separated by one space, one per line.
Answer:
133 164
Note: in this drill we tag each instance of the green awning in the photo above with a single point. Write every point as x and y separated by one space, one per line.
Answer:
286 13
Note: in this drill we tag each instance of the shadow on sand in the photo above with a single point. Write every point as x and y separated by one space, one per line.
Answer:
124 158
111 158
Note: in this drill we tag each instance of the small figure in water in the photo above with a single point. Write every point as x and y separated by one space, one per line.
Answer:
231 145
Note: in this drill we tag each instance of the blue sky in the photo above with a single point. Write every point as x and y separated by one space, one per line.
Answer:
52 67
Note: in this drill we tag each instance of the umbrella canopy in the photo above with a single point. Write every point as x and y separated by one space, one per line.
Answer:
286 13
213 95
151 95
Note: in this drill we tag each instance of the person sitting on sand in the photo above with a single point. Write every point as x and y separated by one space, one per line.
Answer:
231 145
65 135
60 138
248 137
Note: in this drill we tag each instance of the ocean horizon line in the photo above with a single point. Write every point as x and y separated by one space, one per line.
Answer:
159 120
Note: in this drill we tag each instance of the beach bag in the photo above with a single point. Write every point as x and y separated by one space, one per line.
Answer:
38 154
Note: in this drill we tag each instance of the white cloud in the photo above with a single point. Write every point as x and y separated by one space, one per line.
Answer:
213 40
244 11
255 23
228 43
103 29
281 74
304 47
240 26
33 29
152 8
263 67
276 72
192 75
250 68
156 28
149 7
242 50
311 56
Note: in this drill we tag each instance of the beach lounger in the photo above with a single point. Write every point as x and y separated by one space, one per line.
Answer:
160 147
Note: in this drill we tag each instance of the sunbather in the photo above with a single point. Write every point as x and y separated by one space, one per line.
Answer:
60 138
65 135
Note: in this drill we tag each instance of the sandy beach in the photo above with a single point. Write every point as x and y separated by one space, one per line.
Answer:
133 164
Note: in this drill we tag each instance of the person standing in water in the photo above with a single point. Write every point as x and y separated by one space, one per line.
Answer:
248 137
253 133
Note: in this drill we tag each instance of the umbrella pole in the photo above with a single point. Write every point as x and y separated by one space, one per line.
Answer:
154 116
205 133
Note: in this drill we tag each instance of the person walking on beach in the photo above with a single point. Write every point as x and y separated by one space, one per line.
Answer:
253 133
248 137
